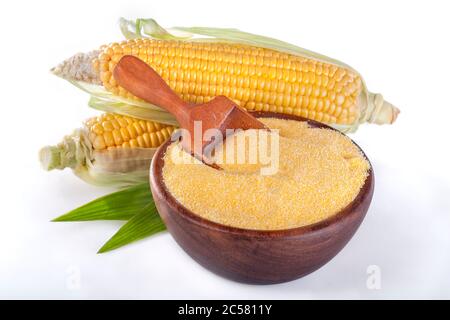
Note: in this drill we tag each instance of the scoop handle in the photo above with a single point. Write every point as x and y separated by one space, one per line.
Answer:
135 76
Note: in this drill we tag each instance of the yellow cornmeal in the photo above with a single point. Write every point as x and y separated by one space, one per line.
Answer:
320 172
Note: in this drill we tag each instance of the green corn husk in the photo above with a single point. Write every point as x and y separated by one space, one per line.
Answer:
119 167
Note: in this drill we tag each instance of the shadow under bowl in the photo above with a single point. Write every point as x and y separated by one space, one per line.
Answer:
258 256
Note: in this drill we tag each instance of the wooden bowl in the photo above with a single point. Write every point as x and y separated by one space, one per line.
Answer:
258 256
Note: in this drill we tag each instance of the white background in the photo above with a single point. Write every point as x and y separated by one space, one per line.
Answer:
401 47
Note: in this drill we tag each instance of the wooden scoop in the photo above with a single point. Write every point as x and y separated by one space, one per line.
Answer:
220 113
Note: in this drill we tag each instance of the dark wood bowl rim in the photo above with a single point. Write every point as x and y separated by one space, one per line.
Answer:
160 187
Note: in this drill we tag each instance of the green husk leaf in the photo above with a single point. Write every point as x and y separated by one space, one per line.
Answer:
151 27
101 93
120 168
97 177
238 36
128 109
120 205
128 28
144 224
103 100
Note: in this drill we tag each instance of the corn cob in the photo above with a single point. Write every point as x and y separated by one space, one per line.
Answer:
114 131
255 78
258 73
108 149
